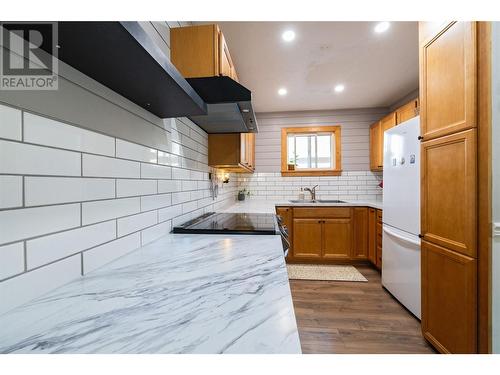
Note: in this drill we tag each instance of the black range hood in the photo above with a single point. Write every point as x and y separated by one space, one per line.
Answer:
229 106
123 57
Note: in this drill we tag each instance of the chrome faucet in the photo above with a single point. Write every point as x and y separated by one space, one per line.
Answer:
312 191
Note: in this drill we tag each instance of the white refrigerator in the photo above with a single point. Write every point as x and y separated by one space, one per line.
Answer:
401 214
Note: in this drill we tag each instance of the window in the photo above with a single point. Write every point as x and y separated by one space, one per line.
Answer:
310 151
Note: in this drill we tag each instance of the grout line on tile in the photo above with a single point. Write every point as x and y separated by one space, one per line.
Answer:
25 254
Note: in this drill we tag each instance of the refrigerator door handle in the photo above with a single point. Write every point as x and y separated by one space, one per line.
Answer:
406 239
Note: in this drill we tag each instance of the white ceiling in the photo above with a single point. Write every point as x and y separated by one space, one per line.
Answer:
376 69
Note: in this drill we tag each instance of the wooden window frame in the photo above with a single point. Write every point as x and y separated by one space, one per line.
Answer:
335 129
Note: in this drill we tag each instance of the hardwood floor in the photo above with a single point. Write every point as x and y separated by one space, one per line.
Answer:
354 317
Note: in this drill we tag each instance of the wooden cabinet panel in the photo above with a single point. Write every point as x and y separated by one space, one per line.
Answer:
407 111
378 240
372 235
243 148
337 239
388 122
233 152
225 63
448 193
448 299
321 212
194 50
201 51
376 147
360 230
448 80
307 234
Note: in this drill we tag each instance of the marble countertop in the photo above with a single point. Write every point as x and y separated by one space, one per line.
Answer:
268 206
179 294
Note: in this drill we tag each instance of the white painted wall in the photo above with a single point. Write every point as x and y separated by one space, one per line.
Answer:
496 184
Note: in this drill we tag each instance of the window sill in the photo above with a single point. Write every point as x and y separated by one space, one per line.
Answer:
311 173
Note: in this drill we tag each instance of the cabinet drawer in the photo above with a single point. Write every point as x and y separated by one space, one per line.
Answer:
303 212
379 215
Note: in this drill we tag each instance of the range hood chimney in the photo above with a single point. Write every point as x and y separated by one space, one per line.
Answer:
229 106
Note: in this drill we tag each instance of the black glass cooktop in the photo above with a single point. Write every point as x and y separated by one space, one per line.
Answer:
234 223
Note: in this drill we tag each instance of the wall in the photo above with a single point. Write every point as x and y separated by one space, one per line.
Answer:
87 176
496 185
355 124
355 183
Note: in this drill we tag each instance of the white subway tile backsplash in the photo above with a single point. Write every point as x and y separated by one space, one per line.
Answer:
155 171
353 184
93 212
169 186
23 223
188 207
11 260
180 174
181 197
10 123
11 191
169 212
100 166
47 249
20 158
155 232
128 150
152 202
53 133
50 190
164 158
101 255
189 185
121 192
134 223
25 287
129 188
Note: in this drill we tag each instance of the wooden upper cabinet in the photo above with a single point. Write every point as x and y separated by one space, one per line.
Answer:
307 238
250 143
387 123
448 191
226 66
201 51
376 147
449 299
234 152
407 111
448 79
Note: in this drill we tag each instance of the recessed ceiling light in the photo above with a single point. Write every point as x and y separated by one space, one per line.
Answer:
282 91
339 88
288 35
382 27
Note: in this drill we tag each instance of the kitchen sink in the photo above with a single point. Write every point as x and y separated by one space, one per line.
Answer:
316 201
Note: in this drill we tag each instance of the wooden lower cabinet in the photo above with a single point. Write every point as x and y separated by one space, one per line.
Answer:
329 234
449 317
360 232
337 239
307 238
372 235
